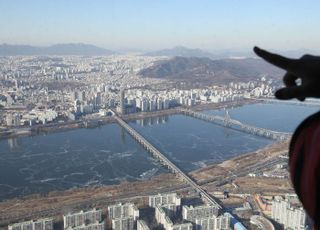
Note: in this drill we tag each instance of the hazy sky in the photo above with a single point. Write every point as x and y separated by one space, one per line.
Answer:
153 24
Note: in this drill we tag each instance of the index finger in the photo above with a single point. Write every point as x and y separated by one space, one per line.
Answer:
278 60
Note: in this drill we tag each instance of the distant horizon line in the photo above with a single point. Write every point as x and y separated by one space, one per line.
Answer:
137 49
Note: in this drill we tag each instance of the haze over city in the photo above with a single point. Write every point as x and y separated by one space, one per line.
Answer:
141 114
149 25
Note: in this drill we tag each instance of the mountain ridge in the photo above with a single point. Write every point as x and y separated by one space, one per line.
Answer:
222 71
57 49
179 51
224 53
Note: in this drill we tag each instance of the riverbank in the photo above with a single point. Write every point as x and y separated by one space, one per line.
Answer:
233 175
99 121
58 202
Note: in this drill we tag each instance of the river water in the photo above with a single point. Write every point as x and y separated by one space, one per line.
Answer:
276 116
108 155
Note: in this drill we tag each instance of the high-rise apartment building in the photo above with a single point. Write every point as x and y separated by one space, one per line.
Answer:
123 216
81 218
192 213
170 203
125 223
289 212
205 217
122 102
212 223
123 211
94 226
40 224
167 223
164 199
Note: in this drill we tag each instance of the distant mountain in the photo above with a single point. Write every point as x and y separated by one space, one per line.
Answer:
220 54
206 70
225 53
59 49
180 51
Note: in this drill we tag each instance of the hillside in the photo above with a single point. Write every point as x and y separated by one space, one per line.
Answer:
222 71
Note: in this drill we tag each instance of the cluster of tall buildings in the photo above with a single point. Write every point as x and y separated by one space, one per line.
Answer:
86 104
130 104
73 103
101 97
169 213
35 116
288 212
149 100
59 82
170 202
203 217
73 86
166 207
165 220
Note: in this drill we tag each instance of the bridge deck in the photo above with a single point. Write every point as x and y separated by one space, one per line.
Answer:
156 153
237 125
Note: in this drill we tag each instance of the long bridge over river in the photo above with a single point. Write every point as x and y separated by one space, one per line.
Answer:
164 160
237 125
219 120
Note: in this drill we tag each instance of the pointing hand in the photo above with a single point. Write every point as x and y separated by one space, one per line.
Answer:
307 69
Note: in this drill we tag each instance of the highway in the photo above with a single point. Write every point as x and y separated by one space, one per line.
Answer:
164 160
239 172
262 222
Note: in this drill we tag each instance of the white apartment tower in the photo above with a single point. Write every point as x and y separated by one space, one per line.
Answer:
166 222
169 202
205 217
82 218
40 224
164 199
123 216
291 216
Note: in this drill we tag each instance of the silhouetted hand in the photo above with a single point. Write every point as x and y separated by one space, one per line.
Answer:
307 69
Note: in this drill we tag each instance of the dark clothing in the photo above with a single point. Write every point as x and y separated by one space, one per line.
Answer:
304 163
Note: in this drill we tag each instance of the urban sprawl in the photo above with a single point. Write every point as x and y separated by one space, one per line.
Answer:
52 91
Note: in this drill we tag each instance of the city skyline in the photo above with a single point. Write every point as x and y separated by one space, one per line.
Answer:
139 115
147 25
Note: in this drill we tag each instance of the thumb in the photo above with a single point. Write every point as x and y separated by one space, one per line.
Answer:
290 93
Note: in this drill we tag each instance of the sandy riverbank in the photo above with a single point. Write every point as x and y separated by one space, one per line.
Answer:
58 202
